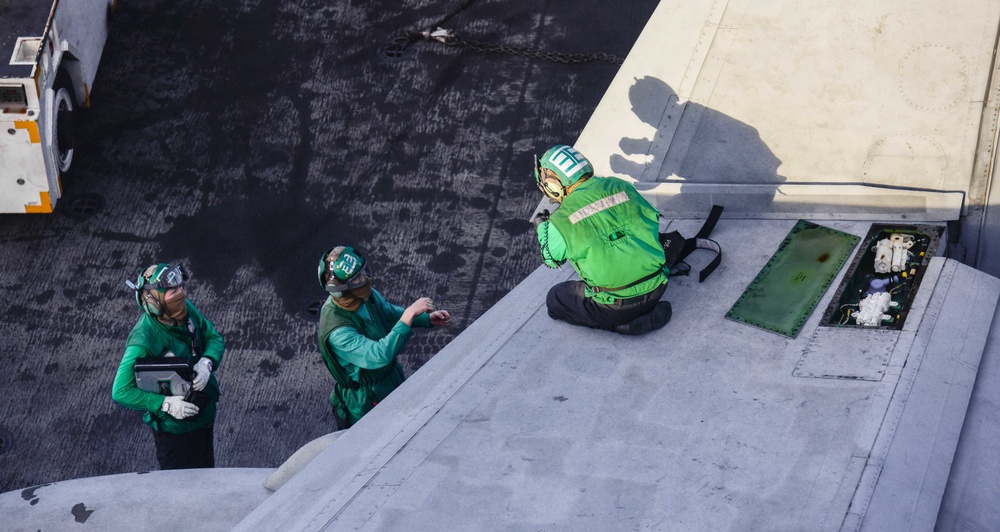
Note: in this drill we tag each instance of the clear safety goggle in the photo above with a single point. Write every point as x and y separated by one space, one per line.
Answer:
172 277
357 280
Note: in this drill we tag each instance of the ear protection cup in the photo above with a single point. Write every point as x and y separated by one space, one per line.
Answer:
552 187
150 304
145 299
559 169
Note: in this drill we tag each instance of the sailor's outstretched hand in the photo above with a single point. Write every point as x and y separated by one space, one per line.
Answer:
415 309
440 317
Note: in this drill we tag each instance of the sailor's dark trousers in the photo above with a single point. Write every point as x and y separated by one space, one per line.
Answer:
193 450
568 302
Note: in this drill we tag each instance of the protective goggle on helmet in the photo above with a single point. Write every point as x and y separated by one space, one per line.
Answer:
164 276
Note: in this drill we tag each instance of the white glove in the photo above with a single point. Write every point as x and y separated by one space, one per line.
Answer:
178 407
202 371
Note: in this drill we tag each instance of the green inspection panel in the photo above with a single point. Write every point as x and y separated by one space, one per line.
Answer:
788 288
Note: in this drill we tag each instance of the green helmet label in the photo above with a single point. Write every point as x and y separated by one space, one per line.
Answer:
346 265
569 164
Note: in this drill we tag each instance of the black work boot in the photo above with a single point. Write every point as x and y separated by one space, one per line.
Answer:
655 319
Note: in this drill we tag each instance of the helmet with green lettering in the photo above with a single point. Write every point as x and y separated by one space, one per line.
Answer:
342 269
560 168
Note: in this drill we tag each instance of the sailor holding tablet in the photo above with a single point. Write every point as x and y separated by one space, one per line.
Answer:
167 369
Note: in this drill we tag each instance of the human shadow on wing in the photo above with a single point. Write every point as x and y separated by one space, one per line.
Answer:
692 143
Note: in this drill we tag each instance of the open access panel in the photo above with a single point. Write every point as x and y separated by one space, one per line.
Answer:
883 279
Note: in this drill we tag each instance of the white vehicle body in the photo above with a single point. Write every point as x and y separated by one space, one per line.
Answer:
49 53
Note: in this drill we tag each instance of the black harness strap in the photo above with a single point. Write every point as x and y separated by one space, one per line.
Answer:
676 248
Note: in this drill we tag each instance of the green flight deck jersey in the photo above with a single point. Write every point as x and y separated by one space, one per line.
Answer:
360 349
610 234
150 338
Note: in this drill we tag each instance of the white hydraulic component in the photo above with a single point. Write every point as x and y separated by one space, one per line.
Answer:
892 254
883 256
872 309
901 245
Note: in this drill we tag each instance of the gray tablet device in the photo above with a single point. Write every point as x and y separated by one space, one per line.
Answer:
164 375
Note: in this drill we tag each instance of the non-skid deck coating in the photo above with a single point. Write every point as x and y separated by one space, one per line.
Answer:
244 139
20 18
589 431
787 289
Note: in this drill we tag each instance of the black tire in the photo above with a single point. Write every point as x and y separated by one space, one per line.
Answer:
64 108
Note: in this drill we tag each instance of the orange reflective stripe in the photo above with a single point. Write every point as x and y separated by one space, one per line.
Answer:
45 207
32 127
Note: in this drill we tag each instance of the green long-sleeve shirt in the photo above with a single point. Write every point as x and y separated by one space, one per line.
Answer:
354 350
150 338
360 348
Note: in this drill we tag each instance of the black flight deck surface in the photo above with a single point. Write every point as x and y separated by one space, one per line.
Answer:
20 18
246 138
